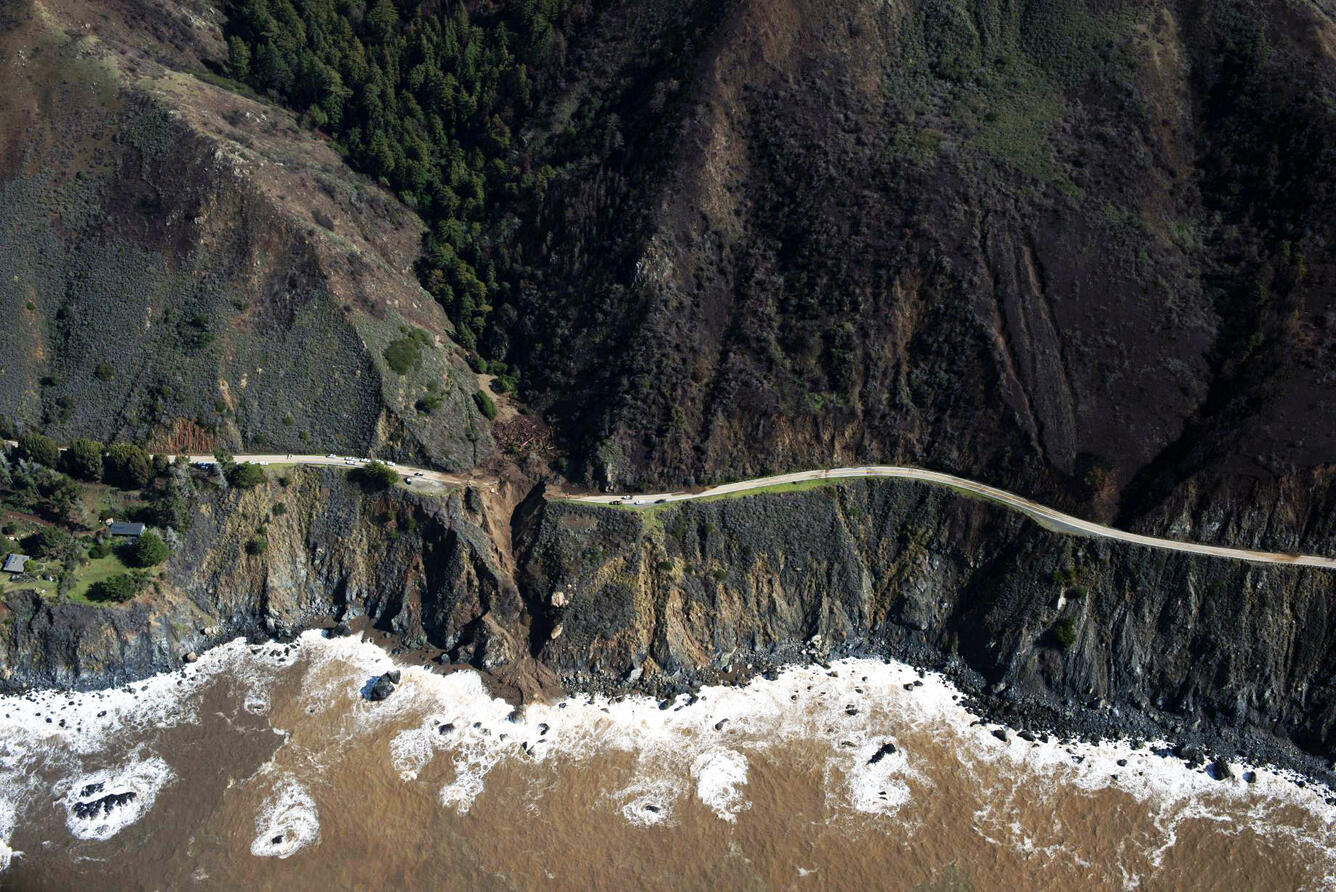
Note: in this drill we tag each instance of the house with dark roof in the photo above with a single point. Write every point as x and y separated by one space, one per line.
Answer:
127 529
14 563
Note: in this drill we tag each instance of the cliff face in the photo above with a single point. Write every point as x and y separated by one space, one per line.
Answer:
422 566
186 267
694 591
1045 627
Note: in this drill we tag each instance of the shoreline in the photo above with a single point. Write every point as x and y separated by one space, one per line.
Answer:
1025 714
1019 714
1038 720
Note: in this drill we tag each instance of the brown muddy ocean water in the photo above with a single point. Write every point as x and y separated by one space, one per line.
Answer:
264 768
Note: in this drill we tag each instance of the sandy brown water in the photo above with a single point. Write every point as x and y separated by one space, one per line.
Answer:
263 769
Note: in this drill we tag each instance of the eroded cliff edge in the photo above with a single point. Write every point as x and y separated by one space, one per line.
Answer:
424 566
1044 629
1044 626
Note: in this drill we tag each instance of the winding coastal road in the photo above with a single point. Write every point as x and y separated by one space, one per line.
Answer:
1046 517
419 476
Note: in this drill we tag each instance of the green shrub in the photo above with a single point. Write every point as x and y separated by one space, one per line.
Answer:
99 549
1064 632
147 551
128 466
279 509
47 542
375 475
82 459
121 587
246 475
429 403
405 354
58 496
485 405
105 371
168 508
38 448
257 544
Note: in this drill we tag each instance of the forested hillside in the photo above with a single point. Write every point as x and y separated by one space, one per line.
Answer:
423 97
1083 249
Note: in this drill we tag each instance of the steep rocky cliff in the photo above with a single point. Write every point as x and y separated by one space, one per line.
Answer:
423 566
1043 628
707 590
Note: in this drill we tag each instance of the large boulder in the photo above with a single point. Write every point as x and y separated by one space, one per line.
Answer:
381 688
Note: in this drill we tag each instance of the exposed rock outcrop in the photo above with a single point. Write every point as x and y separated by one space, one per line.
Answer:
1048 631
419 565
696 591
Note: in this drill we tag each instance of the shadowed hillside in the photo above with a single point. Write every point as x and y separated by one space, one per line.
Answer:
1084 249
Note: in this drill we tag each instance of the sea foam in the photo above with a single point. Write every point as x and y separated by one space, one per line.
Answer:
287 823
100 804
859 712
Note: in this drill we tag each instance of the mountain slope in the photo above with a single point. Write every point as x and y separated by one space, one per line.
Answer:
1079 248
184 266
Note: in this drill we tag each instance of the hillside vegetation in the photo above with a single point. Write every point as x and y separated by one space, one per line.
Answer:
422 98
1078 248
1081 250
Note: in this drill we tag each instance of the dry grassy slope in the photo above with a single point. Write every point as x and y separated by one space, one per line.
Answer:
234 282
1011 240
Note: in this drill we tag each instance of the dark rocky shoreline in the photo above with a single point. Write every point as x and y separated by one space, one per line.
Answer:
665 601
1036 716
